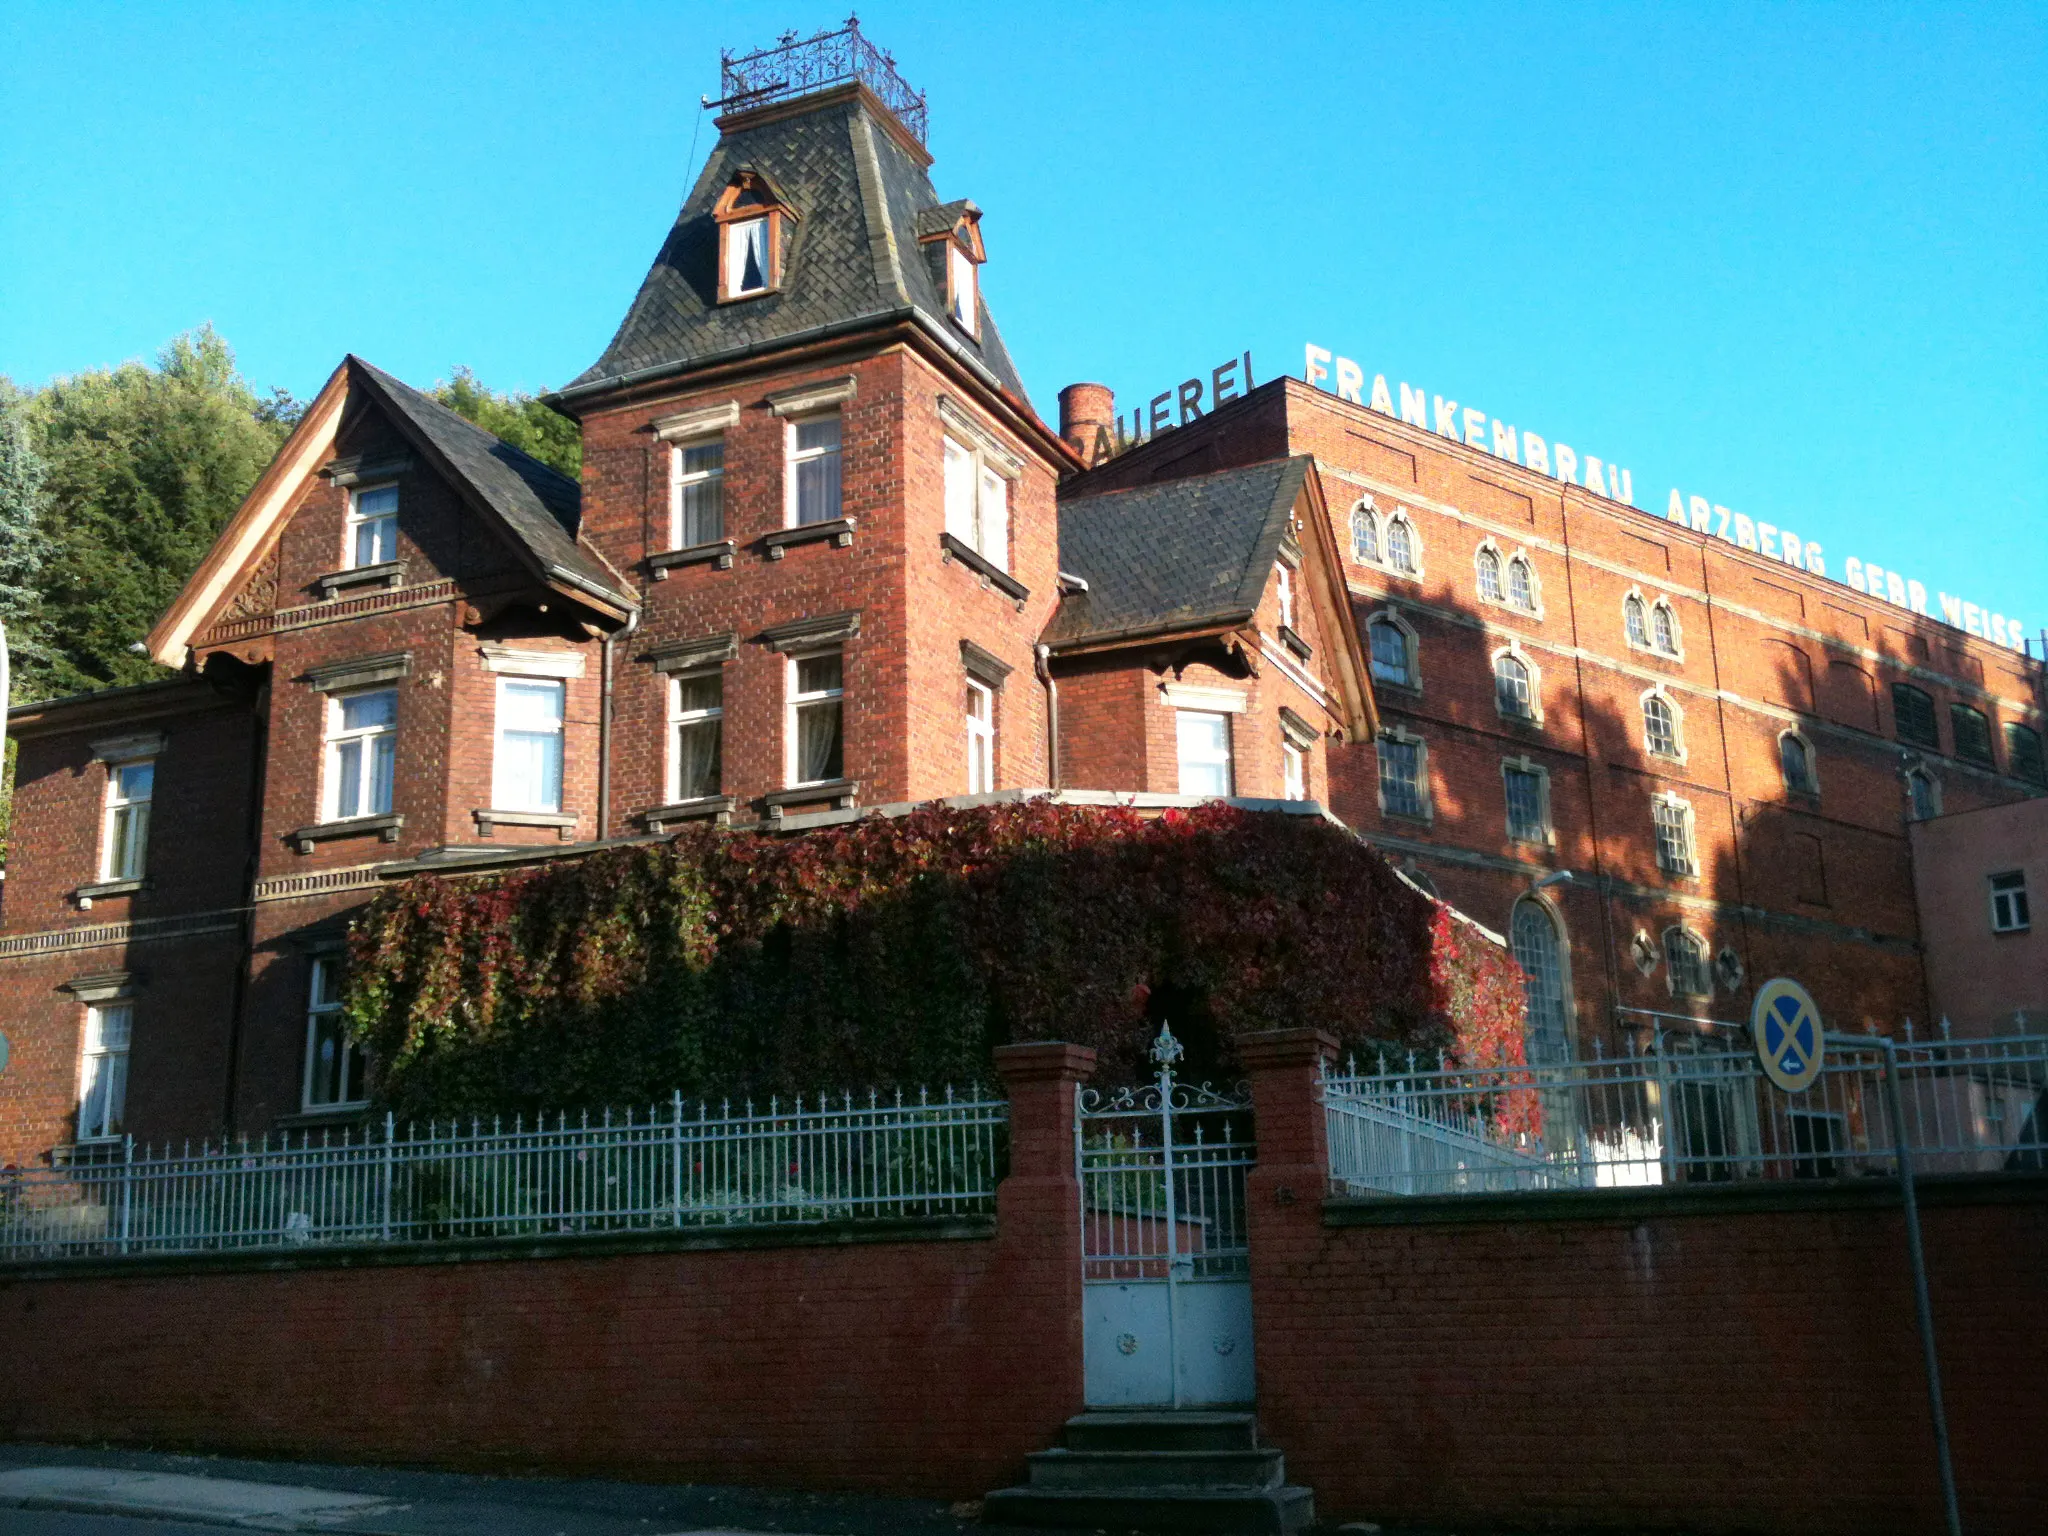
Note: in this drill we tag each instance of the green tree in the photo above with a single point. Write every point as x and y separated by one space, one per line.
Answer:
521 420
144 465
22 474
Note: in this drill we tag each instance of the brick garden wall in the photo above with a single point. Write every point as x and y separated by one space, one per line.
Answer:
922 1361
1720 1359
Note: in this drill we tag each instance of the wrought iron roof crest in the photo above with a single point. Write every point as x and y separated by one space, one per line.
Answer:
797 67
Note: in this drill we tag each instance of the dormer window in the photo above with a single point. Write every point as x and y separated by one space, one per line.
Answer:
753 229
746 258
951 237
960 287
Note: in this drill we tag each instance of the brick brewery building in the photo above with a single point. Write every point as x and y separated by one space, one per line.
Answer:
825 557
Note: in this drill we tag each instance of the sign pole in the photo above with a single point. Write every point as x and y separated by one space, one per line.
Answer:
1921 1301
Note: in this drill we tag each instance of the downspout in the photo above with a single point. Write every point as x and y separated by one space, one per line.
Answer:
604 724
1042 660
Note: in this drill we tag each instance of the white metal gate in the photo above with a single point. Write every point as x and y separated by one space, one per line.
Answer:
1164 1261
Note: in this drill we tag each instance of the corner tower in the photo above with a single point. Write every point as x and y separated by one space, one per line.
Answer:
810 448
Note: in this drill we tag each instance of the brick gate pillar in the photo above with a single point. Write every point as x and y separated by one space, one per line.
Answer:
1034 1360
1284 1219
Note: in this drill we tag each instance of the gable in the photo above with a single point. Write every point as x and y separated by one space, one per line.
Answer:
524 507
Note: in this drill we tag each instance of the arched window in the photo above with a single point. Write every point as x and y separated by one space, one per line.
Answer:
1660 725
1923 795
1401 545
1392 660
1511 690
1521 589
1664 626
1365 535
1685 959
1638 624
1539 950
1489 575
1795 761
2023 757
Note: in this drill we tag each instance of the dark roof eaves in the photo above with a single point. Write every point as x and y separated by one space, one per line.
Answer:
1134 634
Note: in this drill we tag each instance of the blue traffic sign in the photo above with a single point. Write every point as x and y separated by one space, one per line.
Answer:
1788 1032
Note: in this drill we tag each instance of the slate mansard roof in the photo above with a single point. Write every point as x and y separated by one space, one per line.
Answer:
1180 555
862 198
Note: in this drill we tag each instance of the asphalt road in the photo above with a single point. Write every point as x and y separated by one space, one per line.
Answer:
37 1522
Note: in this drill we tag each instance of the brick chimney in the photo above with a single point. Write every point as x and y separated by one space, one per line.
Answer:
1088 420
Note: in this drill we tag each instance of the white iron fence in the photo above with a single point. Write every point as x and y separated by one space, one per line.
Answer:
1679 1114
675 1165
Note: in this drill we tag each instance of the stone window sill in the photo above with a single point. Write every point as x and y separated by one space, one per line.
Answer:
323 1115
985 568
839 530
488 822
718 808
390 574
843 793
86 895
1295 643
386 827
718 552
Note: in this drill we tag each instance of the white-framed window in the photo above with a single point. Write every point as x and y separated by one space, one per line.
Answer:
1404 775
1527 788
817 705
1283 591
814 488
1651 626
1488 565
696 492
1673 820
1539 949
1393 648
362 752
977 504
2009 912
1923 795
1514 687
1795 762
696 716
981 737
1663 628
1293 771
1685 963
1365 533
1521 585
335 1076
372 537
748 266
1388 540
124 842
961 289
1661 733
1202 741
103 1071
1403 548
1635 617
526 769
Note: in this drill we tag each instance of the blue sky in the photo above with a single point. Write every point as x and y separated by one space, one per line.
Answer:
1789 257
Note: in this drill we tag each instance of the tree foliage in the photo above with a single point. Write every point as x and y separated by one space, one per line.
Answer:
521 420
144 465
901 950
22 477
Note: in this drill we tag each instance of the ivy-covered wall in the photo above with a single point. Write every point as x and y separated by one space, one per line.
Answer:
901 950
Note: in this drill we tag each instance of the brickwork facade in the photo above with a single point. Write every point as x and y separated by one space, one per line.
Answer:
1812 880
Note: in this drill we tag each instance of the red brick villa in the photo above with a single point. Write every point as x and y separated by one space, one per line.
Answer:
825 557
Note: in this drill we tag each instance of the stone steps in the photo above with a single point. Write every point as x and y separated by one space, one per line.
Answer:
1155 1471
